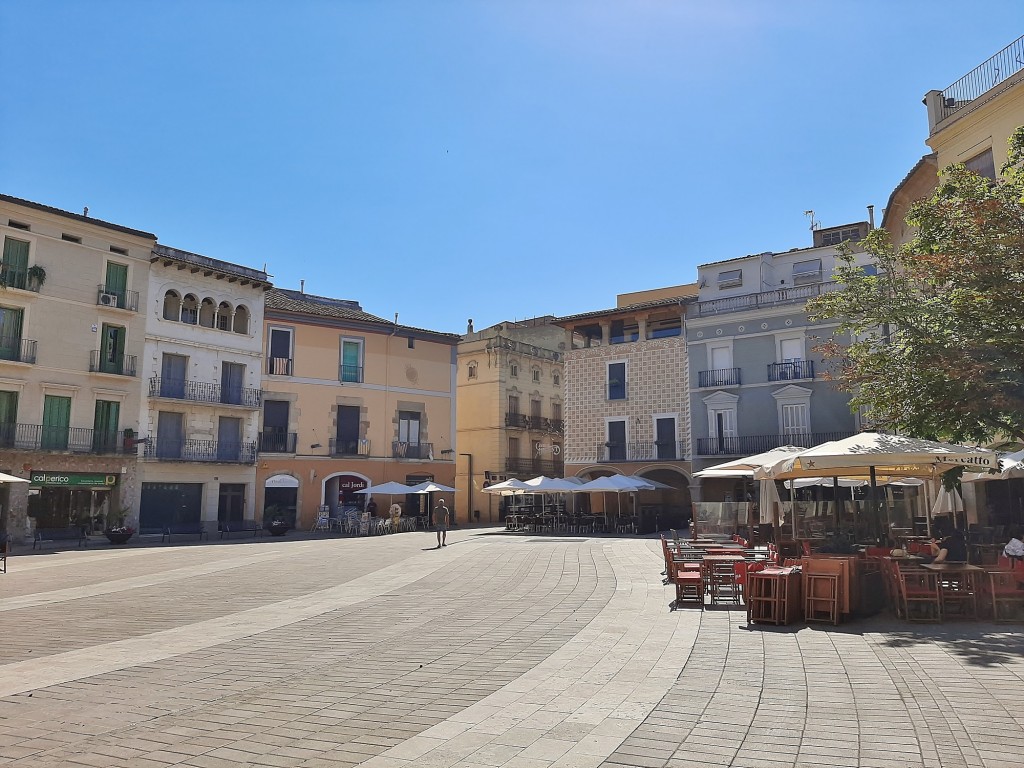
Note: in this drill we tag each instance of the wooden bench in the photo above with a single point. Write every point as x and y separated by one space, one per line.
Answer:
241 526
184 529
49 535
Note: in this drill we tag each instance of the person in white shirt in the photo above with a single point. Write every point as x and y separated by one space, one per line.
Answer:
1015 546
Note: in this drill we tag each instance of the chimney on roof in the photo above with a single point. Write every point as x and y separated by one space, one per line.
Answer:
469 328
302 286
871 217
85 211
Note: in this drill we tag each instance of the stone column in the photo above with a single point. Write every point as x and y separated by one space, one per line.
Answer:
606 333
642 324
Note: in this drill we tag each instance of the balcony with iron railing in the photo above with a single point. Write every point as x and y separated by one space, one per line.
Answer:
12 276
519 420
279 366
277 442
753 301
17 350
721 377
982 78
534 467
344 446
657 450
352 374
404 450
213 451
204 392
791 370
40 437
748 445
119 365
117 298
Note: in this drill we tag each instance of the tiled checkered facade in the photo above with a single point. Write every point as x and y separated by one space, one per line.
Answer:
657 377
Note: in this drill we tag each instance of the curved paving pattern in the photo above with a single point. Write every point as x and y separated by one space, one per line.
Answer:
495 651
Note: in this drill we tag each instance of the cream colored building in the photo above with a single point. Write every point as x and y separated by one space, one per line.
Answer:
70 346
201 372
968 122
510 410
627 405
350 400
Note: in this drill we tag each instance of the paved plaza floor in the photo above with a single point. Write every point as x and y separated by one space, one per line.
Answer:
497 650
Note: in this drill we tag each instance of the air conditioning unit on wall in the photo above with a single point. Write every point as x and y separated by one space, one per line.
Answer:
108 299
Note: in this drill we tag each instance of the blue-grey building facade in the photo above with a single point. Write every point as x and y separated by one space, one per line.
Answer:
756 381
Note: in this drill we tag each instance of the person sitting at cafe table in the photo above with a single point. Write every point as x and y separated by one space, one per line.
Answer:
952 549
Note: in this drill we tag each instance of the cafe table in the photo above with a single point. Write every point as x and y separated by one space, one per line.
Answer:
958 587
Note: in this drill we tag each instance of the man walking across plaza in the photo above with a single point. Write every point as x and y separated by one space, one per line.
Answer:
441 516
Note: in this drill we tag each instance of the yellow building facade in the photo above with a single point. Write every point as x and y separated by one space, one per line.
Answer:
510 420
349 400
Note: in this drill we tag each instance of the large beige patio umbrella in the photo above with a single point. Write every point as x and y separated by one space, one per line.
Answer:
873 454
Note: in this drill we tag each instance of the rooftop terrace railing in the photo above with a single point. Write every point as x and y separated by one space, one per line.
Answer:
750 301
990 73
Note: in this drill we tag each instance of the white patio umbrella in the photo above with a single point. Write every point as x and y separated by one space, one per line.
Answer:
613 484
5 478
505 487
1010 465
948 503
430 487
745 467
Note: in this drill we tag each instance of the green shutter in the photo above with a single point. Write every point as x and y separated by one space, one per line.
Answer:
14 271
112 353
104 435
8 418
350 361
10 333
117 282
56 422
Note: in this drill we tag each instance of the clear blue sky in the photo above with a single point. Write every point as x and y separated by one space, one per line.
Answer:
494 160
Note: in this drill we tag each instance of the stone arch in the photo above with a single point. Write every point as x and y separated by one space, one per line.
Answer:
224 315
190 309
241 321
172 306
207 313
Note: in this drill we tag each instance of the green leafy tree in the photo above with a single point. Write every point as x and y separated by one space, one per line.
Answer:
933 344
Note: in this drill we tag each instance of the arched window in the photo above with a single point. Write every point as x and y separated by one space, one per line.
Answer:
241 319
472 370
172 306
190 309
224 316
207 313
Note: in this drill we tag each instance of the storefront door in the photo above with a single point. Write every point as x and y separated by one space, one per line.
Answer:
231 503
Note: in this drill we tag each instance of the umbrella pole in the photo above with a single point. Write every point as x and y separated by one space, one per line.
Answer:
836 501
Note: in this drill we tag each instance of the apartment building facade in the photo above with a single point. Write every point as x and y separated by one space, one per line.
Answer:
201 372
627 406
510 410
71 337
756 381
350 400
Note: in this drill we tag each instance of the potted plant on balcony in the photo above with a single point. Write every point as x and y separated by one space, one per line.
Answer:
36 277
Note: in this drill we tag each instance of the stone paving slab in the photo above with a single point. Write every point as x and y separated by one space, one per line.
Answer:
494 651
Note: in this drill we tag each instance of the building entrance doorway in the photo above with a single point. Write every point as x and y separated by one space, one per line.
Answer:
230 504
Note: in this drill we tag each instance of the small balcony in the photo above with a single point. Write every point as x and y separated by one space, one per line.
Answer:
722 377
556 425
658 450
350 374
534 467
795 369
204 392
119 365
18 277
17 350
343 446
117 298
277 442
404 450
519 420
752 301
39 437
213 451
279 366
748 445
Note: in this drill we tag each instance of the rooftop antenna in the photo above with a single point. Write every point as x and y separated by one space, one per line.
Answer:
815 224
